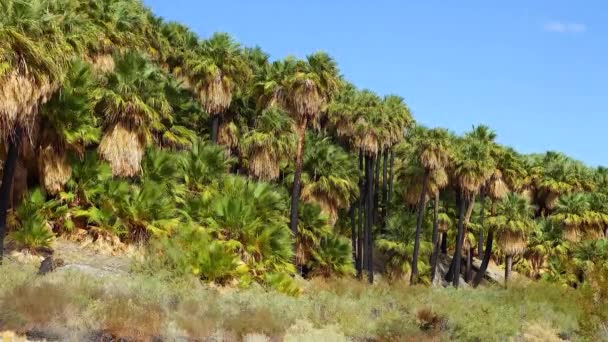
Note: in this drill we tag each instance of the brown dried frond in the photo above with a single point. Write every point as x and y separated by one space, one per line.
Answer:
328 206
228 135
512 242
216 95
264 165
123 149
20 97
432 158
102 62
572 233
497 188
53 168
369 144
305 100
551 199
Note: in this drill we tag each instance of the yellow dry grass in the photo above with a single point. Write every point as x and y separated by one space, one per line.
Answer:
123 149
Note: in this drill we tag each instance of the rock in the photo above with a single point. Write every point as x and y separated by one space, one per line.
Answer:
49 264
443 265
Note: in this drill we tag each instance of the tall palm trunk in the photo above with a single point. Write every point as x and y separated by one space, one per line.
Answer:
295 193
481 217
384 184
215 126
469 268
486 259
376 187
421 205
390 183
469 260
435 238
353 231
444 243
369 207
509 264
459 241
360 234
7 182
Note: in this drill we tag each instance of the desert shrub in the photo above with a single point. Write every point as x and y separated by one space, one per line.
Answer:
128 316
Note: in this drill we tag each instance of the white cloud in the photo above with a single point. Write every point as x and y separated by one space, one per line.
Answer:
564 27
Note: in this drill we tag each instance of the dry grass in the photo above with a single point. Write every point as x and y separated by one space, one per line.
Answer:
123 315
141 307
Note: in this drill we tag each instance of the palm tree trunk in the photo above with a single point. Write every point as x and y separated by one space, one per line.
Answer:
390 180
481 217
7 182
215 126
508 268
606 232
353 232
369 169
384 184
459 242
295 193
435 238
469 268
376 192
360 237
469 212
444 243
486 259
421 205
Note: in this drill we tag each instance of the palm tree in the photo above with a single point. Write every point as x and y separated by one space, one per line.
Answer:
473 166
302 88
68 125
573 213
431 149
269 144
329 176
31 46
132 105
599 206
513 222
508 175
214 72
396 243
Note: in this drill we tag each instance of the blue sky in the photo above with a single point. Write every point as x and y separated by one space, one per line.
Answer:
534 71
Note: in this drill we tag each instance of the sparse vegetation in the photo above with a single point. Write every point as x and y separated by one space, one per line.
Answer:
141 306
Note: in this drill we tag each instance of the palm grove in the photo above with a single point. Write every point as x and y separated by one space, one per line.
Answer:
238 169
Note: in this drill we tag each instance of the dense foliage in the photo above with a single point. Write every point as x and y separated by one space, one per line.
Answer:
117 123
